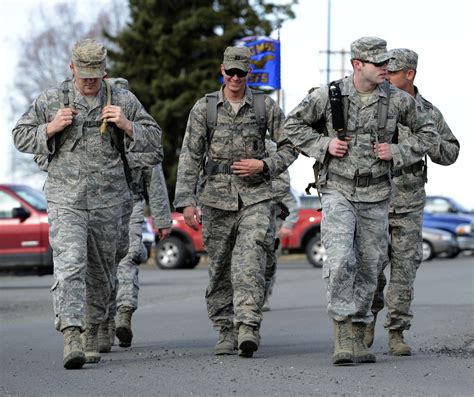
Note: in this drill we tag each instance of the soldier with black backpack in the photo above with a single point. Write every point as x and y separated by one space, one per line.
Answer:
224 168
355 152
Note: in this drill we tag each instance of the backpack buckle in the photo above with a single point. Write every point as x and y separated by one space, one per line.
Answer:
363 180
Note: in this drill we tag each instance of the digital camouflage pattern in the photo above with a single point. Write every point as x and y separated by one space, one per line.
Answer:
89 59
236 210
237 57
89 202
355 220
402 59
86 171
159 203
371 49
405 218
355 236
127 272
363 129
282 194
235 242
87 245
236 137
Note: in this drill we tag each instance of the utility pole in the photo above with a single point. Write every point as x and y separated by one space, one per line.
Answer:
342 53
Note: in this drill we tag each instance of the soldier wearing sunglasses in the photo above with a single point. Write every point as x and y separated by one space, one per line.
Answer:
227 157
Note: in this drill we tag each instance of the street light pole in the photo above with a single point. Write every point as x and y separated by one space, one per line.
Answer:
328 54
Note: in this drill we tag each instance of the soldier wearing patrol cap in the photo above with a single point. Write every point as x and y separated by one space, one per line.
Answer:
89 202
235 194
355 182
406 211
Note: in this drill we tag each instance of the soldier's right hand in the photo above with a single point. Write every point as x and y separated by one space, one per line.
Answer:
192 217
338 148
62 119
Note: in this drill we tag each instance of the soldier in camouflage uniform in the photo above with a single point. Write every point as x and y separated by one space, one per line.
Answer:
124 300
89 202
235 195
406 211
281 224
355 184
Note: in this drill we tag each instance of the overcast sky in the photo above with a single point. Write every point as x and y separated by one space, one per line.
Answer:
439 31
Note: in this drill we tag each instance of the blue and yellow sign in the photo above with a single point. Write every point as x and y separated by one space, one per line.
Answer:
265 62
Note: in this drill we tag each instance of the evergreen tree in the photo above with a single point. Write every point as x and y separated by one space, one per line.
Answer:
171 51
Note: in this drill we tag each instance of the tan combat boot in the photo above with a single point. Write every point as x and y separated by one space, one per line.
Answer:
396 343
90 343
74 356
370 332
361 353
227 343
104 338
343 351
248 340
124 326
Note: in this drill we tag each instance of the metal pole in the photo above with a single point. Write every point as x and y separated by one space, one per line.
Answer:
328 56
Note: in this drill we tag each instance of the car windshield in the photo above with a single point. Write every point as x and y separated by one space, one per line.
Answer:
32 196
444 205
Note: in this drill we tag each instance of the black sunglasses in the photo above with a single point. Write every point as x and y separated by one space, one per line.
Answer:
233 72
376 64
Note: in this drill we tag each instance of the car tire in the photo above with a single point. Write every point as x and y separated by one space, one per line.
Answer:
171 253
192 262
315 251
453 254
428 253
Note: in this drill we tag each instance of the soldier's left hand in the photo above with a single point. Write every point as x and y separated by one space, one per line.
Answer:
115 115
163 233
384 151
247 167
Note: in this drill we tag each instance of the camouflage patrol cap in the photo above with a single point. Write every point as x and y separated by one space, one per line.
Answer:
402 59
237 58
371 49
88 58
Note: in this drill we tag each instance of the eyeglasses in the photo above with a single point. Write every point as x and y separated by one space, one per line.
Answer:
233 72
376 64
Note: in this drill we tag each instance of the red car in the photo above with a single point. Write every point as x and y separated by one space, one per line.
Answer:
184 248
24 229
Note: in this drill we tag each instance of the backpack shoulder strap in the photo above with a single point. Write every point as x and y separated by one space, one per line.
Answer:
382 106
259 109
211 114
63 93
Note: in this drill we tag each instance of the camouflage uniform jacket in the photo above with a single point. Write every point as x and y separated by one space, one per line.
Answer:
408 192
236 137
362 126
86 171
158 198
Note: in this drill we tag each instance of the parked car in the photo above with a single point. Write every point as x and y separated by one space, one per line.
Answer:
306 234
148 236
184 248
438 242
446 214
24 241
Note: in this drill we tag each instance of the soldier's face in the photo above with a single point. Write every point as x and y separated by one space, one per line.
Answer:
400 79
87 87
374 73
234 83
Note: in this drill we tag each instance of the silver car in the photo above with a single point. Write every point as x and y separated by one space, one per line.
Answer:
438 242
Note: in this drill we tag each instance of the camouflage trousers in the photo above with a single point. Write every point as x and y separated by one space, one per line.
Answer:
125 292
236 244
355 236
273 251
404 257
87 245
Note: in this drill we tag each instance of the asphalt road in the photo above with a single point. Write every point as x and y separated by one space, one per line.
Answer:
172 352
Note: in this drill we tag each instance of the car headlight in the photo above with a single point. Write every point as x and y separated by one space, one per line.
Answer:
463 229
446 237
